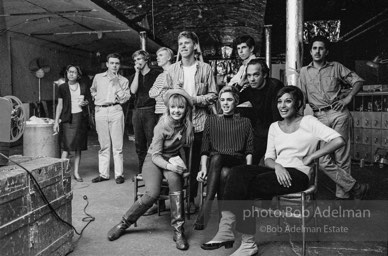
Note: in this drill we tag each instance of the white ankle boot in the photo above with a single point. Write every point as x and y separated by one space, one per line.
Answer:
248 246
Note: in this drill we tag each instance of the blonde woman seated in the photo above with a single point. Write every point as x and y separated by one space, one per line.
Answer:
227 141
290 153
172 132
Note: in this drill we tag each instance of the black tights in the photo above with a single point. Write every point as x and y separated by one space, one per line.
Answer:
218 172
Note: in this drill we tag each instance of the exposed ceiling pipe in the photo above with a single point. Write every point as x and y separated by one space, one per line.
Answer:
82 32
363 24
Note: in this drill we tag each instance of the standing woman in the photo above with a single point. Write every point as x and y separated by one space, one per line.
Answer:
172 132
227 141
72 116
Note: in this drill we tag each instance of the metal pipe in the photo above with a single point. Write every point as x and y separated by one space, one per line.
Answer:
268 43
143 40
294 40
363 24
82 32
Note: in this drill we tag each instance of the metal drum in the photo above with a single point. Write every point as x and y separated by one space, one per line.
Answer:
38 140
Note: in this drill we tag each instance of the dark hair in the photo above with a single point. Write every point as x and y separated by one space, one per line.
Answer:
296 94
323 39
245 39
79 72
264 67
113 55
190 35
233 90
145 54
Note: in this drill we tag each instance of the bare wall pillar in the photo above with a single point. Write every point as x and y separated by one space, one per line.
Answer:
5 58
143 40
294 40
268 43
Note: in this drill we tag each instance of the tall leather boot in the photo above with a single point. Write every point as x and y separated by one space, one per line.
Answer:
131 216
178 220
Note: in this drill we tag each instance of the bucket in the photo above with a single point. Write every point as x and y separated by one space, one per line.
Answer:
38 140
4 149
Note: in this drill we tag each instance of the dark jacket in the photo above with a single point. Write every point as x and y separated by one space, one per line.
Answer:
64 93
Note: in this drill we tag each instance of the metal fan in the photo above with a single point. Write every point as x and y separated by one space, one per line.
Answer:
39 68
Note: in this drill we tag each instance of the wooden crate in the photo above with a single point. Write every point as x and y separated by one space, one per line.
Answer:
27 226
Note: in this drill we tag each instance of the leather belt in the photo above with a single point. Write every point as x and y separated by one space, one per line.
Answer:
107 105
323 109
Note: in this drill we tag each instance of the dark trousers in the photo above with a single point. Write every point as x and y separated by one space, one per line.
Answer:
259 146
144 121
248 182
195 162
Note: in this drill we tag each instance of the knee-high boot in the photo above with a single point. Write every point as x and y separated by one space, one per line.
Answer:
178 220
131 216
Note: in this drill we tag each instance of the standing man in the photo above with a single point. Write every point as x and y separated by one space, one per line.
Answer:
109 90
197 79
245 46
321 82
261 93
143 118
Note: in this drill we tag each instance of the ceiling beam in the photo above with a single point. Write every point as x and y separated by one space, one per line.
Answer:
44 13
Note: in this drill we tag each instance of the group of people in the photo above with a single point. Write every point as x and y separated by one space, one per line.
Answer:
175 108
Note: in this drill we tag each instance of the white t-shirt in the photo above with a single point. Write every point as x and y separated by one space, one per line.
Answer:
289 149
189 79
75 100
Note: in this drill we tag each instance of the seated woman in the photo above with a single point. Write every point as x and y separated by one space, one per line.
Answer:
290 153
173 130
228 141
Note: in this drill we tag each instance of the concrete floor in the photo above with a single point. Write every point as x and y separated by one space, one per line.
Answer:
153 236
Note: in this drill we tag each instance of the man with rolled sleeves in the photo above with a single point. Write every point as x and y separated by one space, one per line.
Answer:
322 82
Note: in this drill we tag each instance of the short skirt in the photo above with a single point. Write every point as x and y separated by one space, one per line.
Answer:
74 135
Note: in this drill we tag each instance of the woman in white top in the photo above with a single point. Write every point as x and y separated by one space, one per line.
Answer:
291 151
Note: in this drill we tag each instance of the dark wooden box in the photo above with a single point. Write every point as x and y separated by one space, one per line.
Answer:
27 226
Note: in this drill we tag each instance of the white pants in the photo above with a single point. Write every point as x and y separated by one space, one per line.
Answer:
110 129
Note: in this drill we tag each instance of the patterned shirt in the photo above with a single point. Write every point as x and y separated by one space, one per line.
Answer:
227 135
157 91
322 86
204 84
107 90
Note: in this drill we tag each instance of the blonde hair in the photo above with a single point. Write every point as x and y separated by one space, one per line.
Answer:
179 100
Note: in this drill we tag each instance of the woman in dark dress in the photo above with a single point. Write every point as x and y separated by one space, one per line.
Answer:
72 116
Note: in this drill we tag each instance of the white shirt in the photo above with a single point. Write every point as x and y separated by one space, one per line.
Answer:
289 149
240 76
188 79
75 99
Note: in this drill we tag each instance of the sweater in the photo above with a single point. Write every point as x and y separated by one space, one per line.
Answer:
227 135
165 144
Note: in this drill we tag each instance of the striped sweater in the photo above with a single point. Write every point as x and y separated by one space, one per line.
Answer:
229 135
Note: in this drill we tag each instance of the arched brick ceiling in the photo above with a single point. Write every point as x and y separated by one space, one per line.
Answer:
217 22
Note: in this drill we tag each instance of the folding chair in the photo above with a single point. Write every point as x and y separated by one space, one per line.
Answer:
139 182
306 198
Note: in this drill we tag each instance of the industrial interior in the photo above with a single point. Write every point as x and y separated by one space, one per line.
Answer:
39 38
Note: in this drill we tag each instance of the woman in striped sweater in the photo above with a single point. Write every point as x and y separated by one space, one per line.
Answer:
227 141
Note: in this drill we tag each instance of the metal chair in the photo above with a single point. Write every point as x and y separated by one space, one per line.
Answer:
306 198
139 182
